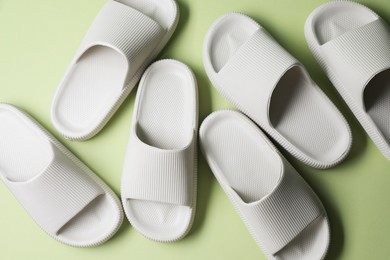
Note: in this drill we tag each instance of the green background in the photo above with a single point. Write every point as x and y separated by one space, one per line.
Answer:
39 38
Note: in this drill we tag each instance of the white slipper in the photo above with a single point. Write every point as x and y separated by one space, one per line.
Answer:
352 45
270 86
280 210
124 38
65 198
159 174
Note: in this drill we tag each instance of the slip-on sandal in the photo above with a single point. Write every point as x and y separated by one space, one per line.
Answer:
61 194
352 45
252 71
281 211
122 41
160 173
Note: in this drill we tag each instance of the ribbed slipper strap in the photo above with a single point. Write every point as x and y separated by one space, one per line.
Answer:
357 56
125 30
281 216
159 175
56 195
251 75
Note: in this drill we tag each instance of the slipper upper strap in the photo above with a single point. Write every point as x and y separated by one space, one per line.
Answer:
252 73
159 175
57 194
281 216
357 56
126 30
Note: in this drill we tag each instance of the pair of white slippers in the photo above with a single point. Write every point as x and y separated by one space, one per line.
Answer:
247 66
74 206
272 88
62 195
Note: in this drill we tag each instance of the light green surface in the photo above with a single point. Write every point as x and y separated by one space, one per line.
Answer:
37 41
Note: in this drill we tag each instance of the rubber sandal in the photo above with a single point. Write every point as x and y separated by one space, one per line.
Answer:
62 195
122 41
282 213
352 45
159 174
252 71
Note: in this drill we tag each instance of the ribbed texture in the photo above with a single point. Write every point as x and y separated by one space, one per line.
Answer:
343 88
304 115
159 175
85 174
249 80
131 82
357 55
56 195
283 214
245 159
127 30
166 111
101 73
162 142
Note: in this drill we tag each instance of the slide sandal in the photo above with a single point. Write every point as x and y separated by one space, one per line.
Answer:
122 41
252 71
160 173
352 45
281 211
62 195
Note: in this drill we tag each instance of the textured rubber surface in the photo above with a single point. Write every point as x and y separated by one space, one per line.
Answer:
63 196
352 45
282 213
124 38
160 172
270 86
